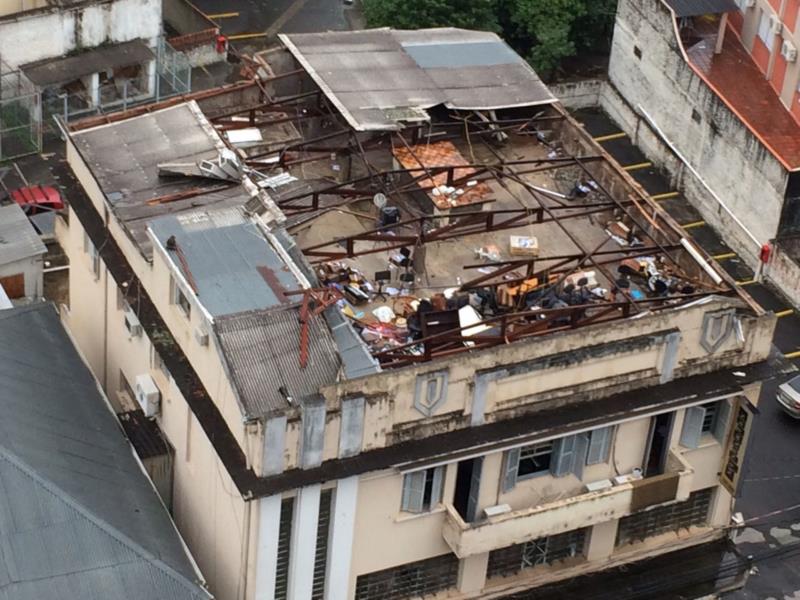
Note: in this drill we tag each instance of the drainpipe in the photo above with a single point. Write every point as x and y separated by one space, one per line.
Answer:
702 181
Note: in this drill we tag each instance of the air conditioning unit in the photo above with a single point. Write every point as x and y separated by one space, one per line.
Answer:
148 395
788 51
775 25
132 323
201 337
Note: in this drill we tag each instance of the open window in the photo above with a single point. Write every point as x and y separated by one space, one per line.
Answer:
710 419
422 490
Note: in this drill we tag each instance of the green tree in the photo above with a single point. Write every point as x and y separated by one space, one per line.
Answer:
417 14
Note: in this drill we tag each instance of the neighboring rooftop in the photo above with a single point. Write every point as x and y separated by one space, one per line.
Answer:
696 8
18 238
124 159
61 70
227 261
80 518
740 84
380 78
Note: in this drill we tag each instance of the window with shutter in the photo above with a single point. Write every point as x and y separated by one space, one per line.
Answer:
563 456
422 490
510 470
721 420
599 445
693 426
580 454
535 460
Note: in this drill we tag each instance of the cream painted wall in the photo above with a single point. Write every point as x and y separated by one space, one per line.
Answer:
57 31
208 509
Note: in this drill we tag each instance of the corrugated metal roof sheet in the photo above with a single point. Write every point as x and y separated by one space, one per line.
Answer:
124 158
78 516
233 265
695 8
369 75
18 238
262 349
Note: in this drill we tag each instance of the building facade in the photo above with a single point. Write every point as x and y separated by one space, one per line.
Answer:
707 95
319 455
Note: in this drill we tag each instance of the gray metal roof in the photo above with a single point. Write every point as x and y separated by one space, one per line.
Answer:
233 265
124 158
696 8
262 349
18 238
53 71
78 516
375 77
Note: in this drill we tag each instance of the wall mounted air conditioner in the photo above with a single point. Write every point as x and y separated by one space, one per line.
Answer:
148 395
201 337
132 323
788 51
775 25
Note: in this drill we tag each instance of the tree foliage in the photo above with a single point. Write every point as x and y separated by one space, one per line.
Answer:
417 14
544 31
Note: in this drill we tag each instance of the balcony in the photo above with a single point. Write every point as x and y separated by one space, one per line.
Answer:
583 510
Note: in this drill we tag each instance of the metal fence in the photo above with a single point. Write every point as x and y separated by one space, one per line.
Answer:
20 115
169 75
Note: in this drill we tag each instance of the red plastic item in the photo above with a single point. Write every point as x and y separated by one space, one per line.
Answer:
222 44
37 198
766 252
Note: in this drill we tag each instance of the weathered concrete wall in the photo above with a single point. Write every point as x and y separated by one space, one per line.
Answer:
51 32
784 272
728 157
579 94
196 33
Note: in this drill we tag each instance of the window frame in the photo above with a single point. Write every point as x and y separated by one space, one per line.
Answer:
423 490
768 38
533 448
181 299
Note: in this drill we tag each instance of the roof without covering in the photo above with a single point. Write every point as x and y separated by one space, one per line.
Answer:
263 348
232 264
381 77
78 516
696 8
53 71
18 238
124 159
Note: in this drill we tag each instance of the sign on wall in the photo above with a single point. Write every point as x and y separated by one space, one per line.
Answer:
733 457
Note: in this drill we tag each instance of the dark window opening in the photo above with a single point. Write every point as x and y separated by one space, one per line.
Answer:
790 215
535 459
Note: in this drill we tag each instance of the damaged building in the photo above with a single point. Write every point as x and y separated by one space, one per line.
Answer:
406 328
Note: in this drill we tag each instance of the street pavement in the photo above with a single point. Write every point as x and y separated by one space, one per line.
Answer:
769 497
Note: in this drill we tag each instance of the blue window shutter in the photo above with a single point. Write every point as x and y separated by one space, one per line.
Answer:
510 470
600 445
579 456
563 453
692 426
438 481
413 491
721 420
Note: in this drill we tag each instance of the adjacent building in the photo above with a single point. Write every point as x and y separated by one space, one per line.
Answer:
406 329
709 90
21 255
80 518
